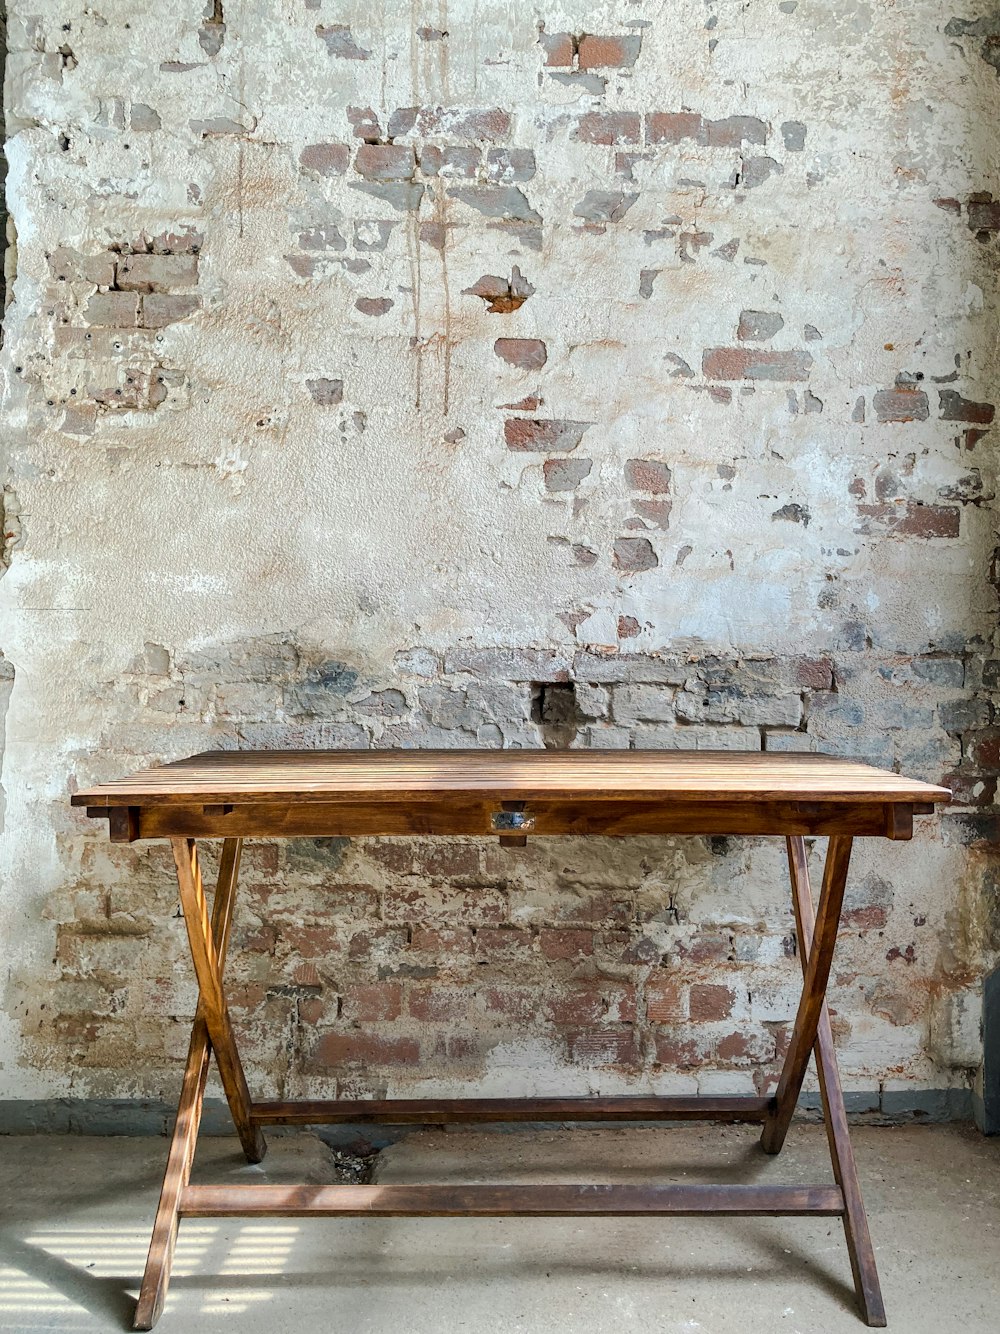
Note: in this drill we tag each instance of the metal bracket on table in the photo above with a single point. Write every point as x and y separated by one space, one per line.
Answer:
512 826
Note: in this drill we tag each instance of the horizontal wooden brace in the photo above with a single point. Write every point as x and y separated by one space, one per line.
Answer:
429 1111
610 818
478 1201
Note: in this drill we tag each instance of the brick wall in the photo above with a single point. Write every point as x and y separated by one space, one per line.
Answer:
615 376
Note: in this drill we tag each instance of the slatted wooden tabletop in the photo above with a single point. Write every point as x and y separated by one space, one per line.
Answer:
250 777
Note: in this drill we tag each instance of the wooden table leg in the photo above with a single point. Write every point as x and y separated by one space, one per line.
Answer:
185 1134
213 1001
816 974
859 1242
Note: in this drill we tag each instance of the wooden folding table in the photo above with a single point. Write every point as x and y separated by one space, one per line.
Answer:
232 795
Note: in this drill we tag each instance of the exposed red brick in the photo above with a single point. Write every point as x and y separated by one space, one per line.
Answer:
449 859
506 942
306 975
373 1003
559 48
748 363
971 789
600 52
434 234
656 512
984 749
984 213
605 1046
385 162
814 673
566 943
511 664
439 942
260 859
575 1004
432 1003
311 941
395 855
456 1047
628 627
677 1052
949 205
113 309
623 1002
391 939
459 161
709 1002
159 309
364 1049
487 123
914 519
314 1010
634 554
930 520
69 265
672 127
516 1004
665 1002
706 947
745 1048
902 404
870 918
608 127
305 266
326 159
482 906
955 408
524 433
648 475
527 353
260 941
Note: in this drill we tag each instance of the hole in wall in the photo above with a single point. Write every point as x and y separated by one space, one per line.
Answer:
554 709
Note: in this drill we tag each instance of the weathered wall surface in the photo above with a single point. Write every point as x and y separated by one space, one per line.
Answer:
372 377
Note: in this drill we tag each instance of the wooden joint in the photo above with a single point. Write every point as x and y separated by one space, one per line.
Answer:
123 823
898 820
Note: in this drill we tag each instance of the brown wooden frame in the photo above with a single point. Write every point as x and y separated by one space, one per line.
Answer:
867 802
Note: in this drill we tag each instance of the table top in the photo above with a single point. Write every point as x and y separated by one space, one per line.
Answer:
241 777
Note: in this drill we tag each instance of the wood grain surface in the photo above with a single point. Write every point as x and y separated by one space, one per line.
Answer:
221 778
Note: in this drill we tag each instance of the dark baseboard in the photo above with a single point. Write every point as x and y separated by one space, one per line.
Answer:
141 1116
987 1106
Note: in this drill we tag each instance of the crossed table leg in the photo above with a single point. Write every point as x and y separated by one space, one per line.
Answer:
213 1031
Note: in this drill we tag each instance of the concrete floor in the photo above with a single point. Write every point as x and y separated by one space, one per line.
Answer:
75 1215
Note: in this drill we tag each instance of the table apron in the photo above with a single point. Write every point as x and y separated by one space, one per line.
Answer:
470 817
